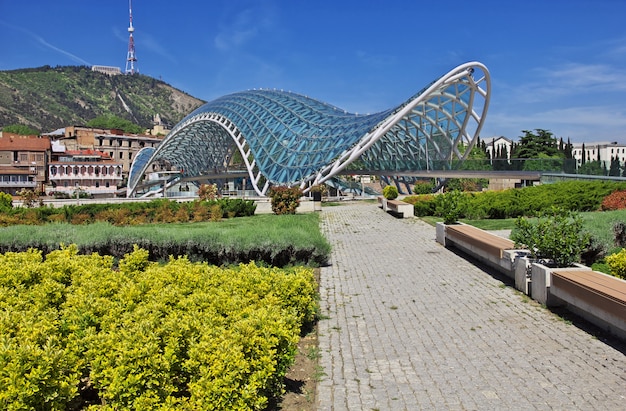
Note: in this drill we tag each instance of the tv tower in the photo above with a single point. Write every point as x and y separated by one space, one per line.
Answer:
131 58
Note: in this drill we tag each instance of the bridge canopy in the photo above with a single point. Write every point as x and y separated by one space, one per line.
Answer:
282 138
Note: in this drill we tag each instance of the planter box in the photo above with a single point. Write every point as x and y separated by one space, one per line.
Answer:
523 274
541 282
440 233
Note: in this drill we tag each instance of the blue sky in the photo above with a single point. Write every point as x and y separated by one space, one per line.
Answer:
558 65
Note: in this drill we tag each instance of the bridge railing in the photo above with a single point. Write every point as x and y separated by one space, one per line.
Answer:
543 165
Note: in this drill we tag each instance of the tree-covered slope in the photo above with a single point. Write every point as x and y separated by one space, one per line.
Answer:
47 98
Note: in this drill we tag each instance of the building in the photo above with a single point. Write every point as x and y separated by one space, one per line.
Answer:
604 152
23 162
90 171
499 144
272 137
119 146
108 70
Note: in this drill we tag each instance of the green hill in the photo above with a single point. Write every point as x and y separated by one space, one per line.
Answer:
47 98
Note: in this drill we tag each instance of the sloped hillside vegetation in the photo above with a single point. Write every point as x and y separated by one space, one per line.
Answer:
48 98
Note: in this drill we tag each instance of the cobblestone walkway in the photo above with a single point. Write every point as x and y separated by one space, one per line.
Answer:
410 325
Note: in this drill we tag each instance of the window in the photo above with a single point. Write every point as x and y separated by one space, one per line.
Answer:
130 155
121 155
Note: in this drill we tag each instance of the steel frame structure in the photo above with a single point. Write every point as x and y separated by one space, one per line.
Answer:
288 139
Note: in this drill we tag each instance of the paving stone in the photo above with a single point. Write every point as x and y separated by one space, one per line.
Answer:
412 325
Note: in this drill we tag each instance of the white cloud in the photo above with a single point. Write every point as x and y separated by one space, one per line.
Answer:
243 27
593 77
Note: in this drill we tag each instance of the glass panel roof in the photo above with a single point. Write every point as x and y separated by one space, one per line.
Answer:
291 138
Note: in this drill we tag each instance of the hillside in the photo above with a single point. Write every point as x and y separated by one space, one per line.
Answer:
48 98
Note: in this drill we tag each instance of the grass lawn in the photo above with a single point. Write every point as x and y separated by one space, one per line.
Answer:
267 231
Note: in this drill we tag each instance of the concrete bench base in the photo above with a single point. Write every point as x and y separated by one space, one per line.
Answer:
595 296
405 210
495 251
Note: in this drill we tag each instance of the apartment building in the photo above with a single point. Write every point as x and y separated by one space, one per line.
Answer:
119 146
23 161
90 171
604 152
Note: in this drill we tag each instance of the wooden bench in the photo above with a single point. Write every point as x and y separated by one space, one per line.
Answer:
493 250
397 207
481 239
598 297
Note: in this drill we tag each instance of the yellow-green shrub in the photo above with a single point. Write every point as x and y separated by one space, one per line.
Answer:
176 336
617 264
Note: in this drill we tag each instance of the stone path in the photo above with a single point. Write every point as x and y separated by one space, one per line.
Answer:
410 325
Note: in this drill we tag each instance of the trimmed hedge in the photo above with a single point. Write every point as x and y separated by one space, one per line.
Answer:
122 214
527 201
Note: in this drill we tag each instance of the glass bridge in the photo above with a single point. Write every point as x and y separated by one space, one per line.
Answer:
274 137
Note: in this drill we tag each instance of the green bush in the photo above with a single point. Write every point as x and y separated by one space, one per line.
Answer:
390 192
423 205
424 187
450 206
285 200
155 211
535 200
6 202
557 236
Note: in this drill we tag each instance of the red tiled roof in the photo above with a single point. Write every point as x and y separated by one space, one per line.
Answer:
15 142
87 152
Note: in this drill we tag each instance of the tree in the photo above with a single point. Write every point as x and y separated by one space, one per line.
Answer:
615 168
20 129
532 144
593 168
540 144
476 159
113 122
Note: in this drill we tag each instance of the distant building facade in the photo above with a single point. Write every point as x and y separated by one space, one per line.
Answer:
109 70
23 161
119 146
603 152
90 171
499 144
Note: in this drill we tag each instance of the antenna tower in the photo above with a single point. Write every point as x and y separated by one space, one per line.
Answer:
131 58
